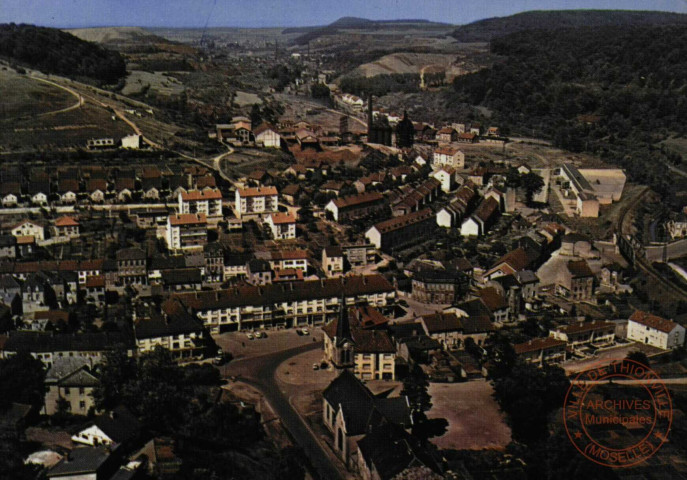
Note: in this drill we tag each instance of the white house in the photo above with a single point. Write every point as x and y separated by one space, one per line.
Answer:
448 156
9 200
131 141
28 228
282 225
207 201
653 330
450 215
267 136
446 176
39 198
68 197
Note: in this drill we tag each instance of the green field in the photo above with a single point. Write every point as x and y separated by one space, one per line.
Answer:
21 96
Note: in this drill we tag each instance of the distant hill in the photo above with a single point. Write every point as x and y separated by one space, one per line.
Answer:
116 35
485 30
53 51
353 23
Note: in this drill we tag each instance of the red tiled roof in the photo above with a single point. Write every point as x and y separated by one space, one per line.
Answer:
653 321
360 199
188 219
585 327
281 218
538 344
66 222
258 192
404 220
195 195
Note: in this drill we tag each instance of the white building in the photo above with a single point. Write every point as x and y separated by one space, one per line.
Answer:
9 200
447 176
39 198
256 201
132 141
653 330
28 228
282 225
186 231
267 136
207 201
448 156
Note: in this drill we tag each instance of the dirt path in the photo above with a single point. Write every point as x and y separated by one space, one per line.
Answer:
79 99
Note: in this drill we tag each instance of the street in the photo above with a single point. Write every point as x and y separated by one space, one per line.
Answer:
259 372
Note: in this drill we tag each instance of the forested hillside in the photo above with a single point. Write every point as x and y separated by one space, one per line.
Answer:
613 91
53 51
485 30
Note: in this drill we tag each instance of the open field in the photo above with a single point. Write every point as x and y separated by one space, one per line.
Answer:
474 418
24 97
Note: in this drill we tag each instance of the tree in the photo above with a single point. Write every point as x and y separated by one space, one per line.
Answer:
115 371
320 90
638 356
425 428
415 386
22 380
500 354
532 183
290 464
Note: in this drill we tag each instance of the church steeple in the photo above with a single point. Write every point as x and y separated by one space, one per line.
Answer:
343 340
343 326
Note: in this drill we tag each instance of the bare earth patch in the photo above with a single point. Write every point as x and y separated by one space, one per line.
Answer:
474 418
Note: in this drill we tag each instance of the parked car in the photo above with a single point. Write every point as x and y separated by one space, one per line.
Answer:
305 331
250 336
315 366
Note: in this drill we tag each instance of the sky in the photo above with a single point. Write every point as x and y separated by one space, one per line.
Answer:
283 13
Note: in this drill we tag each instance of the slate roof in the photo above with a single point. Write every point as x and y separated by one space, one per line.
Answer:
173 320
38 342
538 344
83 460
361 409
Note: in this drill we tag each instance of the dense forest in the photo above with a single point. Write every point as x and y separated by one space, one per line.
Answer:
381 85
487 29
615 92
53 51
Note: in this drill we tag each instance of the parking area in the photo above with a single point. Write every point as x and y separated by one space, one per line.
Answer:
608 356
246 344
474 418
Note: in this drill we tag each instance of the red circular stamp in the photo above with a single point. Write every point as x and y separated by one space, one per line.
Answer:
618 415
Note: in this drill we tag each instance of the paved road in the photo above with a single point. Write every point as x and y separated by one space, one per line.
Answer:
259 372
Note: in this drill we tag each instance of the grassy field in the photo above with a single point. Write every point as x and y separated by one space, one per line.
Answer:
22 96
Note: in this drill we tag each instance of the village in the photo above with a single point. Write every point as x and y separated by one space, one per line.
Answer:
288 254
392 247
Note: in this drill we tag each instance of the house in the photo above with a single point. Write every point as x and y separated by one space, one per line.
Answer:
643 327
110 429
450 331
482 219
447 135
448 156
401 231
585 333
29 228
98 143
332 261
66 228
186 231
359 255
447 176
514 261
85 463
356 206
235 265
496 304
256 201
67 189
267 136
575 281
207 202
542 350
350 411
173 328
291 192
131 266
70 380
48 347
259 272
283 259
438 286
468 137
132 141
282 225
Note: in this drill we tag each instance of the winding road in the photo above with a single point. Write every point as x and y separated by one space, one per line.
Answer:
259 372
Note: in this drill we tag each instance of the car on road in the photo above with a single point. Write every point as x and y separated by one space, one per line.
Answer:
315 366
250 336
305 331
260 335
220 360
